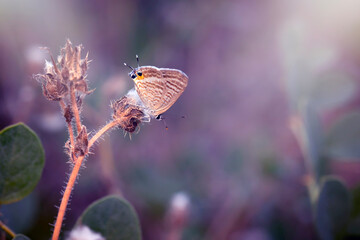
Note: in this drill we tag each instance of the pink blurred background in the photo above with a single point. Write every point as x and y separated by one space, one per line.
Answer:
273 95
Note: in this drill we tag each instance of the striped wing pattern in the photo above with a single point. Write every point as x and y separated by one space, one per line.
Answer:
175 82
160 87
151 88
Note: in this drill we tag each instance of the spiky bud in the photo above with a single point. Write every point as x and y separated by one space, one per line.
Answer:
69 71
129 113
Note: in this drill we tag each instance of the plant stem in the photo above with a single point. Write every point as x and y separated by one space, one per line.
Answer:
72 179
70 128
65 198
101 132
75 108
7 229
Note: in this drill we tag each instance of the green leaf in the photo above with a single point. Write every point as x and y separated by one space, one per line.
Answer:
355 212
332 209
21 237
112 217
354 224
354 228
21 162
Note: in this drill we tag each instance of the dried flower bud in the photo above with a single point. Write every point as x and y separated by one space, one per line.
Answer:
129 113
69 69
54 91
71 63
68 114
81 86
81 143
54 88
73 68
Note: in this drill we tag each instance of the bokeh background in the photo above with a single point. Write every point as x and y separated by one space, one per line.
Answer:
273 101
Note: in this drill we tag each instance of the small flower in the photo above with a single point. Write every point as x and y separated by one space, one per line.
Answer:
84 233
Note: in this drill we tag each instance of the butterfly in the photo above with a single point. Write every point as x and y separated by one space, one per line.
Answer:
158 88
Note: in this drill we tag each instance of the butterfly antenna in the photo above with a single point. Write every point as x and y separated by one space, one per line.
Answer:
129 66
137 59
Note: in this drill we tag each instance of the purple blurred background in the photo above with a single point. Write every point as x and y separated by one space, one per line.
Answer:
273 89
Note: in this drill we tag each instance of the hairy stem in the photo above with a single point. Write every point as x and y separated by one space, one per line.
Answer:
75 108
70 128
7 229
72 179
65 198
101 132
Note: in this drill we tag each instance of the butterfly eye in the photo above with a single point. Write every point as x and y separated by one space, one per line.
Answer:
139 74
133 76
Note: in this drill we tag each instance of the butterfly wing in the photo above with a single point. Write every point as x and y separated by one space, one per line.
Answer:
175 84
160 87
151 88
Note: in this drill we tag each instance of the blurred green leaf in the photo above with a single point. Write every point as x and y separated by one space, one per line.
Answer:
332 209
155 187
21 237
354 228
112 217
343 139
356 202
354 225
21 162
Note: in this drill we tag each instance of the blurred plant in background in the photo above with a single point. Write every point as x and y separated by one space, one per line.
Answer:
274 99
